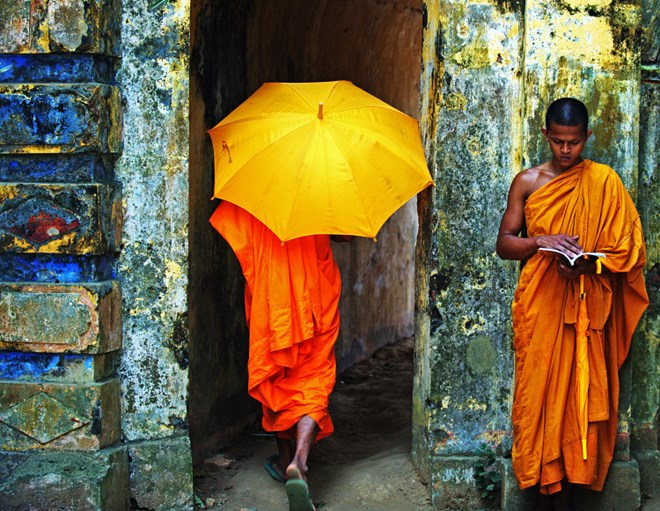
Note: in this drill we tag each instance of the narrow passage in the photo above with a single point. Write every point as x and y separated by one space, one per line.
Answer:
364 466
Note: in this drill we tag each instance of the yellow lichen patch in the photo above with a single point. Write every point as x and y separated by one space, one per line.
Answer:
7 192
172 272
584 4
486 50
40 149
493 436
583 39
473 405
445 402
455 101
60 244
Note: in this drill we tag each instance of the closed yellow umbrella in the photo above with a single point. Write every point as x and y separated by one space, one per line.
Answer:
582 367
318 158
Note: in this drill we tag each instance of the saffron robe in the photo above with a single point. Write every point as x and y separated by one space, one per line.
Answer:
588 200
292 308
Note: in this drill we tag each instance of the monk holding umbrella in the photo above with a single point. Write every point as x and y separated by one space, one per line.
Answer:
297 164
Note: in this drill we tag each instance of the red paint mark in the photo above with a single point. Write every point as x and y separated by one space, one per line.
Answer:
43 227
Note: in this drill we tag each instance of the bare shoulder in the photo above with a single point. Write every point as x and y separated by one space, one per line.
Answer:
529 180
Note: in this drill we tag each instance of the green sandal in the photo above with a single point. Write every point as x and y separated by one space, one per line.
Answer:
269 465
299 497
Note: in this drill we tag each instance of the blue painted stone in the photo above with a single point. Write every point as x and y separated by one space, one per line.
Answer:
55 168
55 268
59 118
64 68
48 367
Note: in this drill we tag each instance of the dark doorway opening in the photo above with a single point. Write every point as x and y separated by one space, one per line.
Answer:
236 46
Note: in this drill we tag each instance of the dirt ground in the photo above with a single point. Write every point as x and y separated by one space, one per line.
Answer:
364 466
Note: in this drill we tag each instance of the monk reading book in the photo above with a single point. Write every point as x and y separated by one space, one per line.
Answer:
572 323
292 294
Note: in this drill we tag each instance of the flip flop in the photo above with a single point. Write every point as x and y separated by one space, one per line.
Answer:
269 465
299 497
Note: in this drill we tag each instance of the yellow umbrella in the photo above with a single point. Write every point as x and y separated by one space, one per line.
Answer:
582 367
318 158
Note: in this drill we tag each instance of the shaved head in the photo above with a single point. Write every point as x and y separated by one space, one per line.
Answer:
567 112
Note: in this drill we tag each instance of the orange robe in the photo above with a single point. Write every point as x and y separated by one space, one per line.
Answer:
292 309
588 200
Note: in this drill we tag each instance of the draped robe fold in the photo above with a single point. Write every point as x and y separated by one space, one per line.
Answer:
292 308
588 200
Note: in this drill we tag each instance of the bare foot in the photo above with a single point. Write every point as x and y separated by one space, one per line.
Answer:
294 471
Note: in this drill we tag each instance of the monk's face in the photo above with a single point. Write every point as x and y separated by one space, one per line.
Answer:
566 144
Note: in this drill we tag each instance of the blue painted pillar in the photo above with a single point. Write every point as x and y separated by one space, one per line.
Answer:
60 228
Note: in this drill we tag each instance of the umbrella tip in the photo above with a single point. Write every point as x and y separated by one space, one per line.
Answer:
320 114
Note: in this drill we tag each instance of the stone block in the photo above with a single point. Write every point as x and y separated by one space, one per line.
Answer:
57 416
58 367
513 498
453 486
649 472
56 318
31 26
76 219
55 268
620 493
161 474
58 67
60 118
65 480
55 168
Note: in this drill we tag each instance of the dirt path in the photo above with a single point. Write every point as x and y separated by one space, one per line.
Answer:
364 466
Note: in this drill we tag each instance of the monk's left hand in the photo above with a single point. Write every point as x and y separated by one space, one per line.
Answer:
341 238
581 267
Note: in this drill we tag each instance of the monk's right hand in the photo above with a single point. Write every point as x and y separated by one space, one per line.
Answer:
563 242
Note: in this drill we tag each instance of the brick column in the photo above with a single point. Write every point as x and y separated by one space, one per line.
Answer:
60 226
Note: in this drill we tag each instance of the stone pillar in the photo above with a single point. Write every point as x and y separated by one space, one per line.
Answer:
60 226
153 264
471 97
489 71
645 354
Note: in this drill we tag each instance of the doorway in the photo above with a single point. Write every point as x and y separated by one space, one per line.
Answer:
236 46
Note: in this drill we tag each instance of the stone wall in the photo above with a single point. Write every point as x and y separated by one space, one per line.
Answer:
490 70
153 263
60 228
93 247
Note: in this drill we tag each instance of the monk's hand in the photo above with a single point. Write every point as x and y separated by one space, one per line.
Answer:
341 238
563 242
582 266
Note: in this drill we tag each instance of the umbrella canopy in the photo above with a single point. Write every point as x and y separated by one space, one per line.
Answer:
318 158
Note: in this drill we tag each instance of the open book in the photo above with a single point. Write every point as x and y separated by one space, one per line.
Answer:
572 260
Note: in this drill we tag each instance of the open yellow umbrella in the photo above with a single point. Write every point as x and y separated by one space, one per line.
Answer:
318 158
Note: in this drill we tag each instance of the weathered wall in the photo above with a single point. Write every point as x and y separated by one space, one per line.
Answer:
471 96
153 263
219 407
490 70
646 347
60 226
